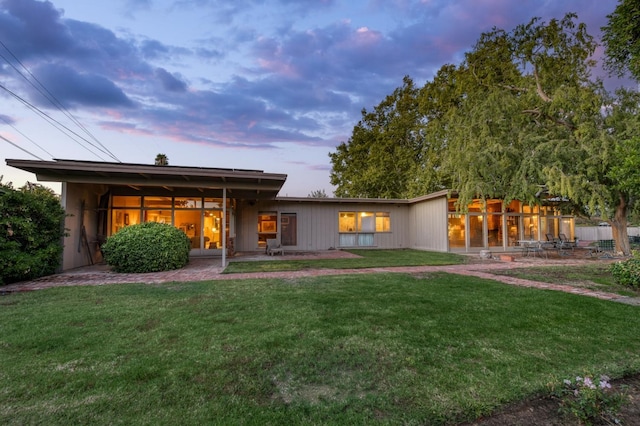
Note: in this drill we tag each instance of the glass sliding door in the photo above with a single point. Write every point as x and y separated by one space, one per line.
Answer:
476 231
213 230
189 222
457 231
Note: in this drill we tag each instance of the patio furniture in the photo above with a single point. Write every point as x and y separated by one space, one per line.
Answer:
568 243
606 248
533 248
274 247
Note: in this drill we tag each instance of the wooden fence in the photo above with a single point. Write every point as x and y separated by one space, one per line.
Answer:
595 233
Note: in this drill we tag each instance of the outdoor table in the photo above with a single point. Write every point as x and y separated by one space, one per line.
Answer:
531 246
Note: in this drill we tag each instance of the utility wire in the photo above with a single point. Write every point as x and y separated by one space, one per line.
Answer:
51 120
25 136
55 102
20 148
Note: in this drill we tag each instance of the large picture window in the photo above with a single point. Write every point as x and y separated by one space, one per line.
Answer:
199 218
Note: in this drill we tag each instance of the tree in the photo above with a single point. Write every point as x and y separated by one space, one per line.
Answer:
533 118
31 231
383 151
621 38
520 116
318 193
161 160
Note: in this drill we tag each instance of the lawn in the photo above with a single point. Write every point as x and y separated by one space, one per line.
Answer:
354 349
594 276
367 259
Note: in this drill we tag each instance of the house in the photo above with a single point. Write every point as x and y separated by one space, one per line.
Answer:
224 211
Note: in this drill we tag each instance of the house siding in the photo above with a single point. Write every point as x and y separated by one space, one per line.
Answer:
317 223
77 253
428 224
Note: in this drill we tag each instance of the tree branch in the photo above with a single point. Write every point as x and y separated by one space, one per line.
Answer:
539 86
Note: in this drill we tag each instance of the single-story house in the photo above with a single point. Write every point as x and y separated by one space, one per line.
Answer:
225 211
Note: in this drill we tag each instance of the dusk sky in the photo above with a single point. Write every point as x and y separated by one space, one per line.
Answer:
272 85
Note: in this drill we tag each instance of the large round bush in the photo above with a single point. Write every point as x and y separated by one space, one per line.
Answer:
147 247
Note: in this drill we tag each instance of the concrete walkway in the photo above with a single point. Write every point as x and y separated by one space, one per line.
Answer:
204 269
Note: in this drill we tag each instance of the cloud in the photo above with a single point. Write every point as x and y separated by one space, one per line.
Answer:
33 27
301 80
6 119
73 89
170 82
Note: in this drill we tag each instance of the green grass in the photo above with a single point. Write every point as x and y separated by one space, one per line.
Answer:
592 276
367 259
355 349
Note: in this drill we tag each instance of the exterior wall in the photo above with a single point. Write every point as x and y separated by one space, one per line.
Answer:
420 223
428 224
317 223
77 250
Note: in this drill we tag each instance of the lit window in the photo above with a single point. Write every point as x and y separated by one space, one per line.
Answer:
367 222
383 222
347 222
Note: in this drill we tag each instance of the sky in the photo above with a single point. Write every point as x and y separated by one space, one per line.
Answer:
272 85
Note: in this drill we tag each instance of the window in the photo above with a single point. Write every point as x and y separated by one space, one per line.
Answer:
125 212
358 228
158 202
383 222
347 222
367 222
122 201
187 203
457 231
267 227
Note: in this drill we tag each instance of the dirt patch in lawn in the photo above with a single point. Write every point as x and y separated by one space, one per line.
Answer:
545 411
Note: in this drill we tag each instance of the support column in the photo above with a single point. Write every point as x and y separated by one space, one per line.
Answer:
224 227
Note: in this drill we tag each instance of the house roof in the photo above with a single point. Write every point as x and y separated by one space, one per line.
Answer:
129 177
439 194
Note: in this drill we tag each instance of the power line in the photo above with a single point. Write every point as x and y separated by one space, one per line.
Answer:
51 121
25 136
56 103
20 148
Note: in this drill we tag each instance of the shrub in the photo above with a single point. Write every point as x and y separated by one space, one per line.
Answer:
627 272
590 401
31 232
147 247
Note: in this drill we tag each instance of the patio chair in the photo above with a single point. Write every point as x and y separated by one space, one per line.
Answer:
606 248
274 247
566 243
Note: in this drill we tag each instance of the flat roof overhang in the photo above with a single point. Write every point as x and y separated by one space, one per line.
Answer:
176 180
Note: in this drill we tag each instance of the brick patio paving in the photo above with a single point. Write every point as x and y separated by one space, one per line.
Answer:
205 269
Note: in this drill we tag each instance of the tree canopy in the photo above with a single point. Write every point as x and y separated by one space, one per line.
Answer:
520 116
161 160
621 38
384 146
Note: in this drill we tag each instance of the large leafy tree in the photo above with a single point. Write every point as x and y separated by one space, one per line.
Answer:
621 173
527 100
382 153
532 119
521 116
621 38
